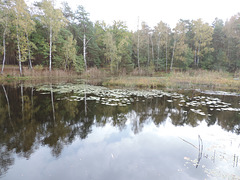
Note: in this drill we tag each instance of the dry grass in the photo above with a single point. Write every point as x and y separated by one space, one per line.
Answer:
94 73
13 71
141 72
203 77
136 81
192 78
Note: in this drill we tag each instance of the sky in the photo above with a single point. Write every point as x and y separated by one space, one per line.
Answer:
153 11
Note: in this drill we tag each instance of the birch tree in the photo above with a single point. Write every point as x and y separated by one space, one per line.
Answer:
5 13
85 26
219 37
121 36
69 51
138 44
232 49
202 39
179 45
162 32
22 17
111 52
29 27
53 19
141 48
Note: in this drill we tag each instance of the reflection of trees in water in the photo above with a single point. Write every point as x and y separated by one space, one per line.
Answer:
6 159
33 121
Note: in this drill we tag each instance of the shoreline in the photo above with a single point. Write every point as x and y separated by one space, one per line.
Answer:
191 79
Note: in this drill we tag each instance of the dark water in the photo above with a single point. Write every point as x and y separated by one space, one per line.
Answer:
50 135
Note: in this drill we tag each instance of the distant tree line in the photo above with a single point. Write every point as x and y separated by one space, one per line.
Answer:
66 39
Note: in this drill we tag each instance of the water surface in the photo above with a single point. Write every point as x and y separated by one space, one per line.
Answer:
73 131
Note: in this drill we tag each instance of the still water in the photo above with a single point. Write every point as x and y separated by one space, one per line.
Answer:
75 131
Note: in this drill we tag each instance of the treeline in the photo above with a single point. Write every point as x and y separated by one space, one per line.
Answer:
62 38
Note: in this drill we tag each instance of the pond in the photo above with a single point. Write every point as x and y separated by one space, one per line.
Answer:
77 131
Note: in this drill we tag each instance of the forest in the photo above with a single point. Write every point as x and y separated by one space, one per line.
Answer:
42 35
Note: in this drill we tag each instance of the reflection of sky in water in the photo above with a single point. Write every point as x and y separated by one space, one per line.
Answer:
154 153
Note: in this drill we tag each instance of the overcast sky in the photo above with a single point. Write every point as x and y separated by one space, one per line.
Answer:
153 11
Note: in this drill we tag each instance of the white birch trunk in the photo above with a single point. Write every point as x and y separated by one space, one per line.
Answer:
166 52
199 46
19 51
148 51
159 50
85 101
4 49
29 54
50 50
174 46
84 51
138 46
195 56
66 63
152 49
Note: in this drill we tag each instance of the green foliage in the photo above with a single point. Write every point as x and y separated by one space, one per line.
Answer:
39 38
188 60
65 51
39 67
32 35
208 62
78 64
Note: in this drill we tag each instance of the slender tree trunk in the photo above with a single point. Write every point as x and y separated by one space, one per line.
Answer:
195 56
29 54
228 54
138 46
158 50
66 63
152 49
198 54
85 101
174 46
148 50
84 51
117 65
50 50
166 52
4 49
19 51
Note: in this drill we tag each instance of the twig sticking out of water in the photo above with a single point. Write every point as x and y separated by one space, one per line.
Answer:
214 156
235 160
200 150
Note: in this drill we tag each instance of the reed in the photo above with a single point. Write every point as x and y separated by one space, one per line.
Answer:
136 81
35 73
190 79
